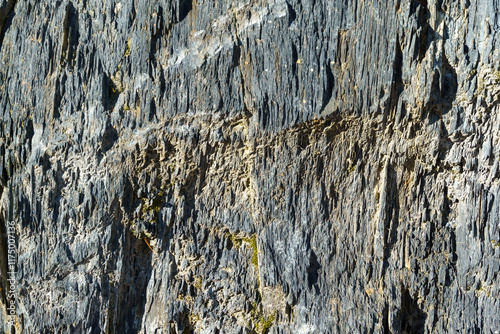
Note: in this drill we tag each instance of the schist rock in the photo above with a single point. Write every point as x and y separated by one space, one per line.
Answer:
238 166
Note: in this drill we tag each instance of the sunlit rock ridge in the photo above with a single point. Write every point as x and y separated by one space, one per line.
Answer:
249 166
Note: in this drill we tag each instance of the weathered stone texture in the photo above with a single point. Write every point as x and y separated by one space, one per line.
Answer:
242 166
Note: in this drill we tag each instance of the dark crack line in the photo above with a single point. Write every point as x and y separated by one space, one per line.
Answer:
6 16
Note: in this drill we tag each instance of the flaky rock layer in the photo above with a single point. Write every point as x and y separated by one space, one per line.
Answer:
269 166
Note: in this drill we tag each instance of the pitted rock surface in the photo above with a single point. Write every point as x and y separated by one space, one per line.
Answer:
267 166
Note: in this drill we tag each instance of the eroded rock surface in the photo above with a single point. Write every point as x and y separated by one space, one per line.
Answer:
251 166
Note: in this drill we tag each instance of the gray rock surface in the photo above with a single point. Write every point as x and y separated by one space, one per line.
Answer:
278 166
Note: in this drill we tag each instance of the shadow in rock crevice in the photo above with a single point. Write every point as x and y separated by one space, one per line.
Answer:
313 272
71 35
128 272
449 85
130 292
184 7
412 317
424 32
443 91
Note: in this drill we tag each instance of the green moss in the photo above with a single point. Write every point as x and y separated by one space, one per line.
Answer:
235 241
267 323
262 324
197 283
149 212
352 169
253 243
483 289
156 205
158 201
114 91
127 49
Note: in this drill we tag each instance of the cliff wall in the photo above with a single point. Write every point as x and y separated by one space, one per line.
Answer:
278 166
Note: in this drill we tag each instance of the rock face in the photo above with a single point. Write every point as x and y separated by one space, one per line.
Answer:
237 166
